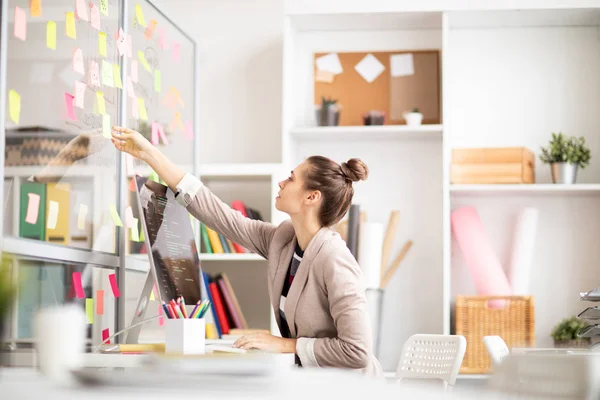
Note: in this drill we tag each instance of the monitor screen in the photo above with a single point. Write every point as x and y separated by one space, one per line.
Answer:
170 240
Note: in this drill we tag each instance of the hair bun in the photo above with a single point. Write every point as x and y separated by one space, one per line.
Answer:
355 170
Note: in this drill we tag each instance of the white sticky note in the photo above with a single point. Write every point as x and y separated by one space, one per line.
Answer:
106 126
78 61
52 214
94 73
107 74
80 94
129 217
330 62
369 68
33 207
402 65
81 216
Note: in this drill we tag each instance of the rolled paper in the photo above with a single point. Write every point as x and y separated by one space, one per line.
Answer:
523 247
370 245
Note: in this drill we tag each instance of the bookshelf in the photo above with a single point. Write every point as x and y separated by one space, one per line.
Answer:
509 77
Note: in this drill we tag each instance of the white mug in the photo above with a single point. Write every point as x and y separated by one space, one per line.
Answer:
60 340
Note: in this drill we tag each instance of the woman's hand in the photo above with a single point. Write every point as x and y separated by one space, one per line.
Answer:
266 342
132 142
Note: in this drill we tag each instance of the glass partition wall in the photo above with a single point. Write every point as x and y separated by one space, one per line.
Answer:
69 71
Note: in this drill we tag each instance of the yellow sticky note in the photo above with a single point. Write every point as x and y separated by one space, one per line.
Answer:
89 310
115 215
102 43
70 25
14 103
142 109
51 35
139 15
142 238
117 76
106 126
135 234
35 8
143 60
157 80
100 103
81 216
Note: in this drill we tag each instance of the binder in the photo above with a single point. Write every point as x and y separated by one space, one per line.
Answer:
37 230
60 193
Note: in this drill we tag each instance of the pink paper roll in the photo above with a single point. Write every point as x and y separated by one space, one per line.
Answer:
485 268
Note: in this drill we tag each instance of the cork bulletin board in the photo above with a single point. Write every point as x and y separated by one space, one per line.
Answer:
391 94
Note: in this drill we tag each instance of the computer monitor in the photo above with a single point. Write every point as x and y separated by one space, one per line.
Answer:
171 247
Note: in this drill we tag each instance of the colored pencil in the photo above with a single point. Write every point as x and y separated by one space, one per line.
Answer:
182 306
195 308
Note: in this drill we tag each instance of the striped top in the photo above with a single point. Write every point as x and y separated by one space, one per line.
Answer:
291 273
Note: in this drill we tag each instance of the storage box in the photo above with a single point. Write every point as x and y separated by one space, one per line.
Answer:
514 322
492 165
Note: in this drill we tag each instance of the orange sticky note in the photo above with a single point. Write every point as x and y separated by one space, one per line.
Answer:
99 302
51 35
150 29
35 8
33 207
14 106
102 43
20 24
70 25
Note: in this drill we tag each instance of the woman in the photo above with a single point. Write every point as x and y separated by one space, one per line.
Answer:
315 284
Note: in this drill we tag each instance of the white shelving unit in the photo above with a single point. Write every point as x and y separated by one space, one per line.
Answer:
509 77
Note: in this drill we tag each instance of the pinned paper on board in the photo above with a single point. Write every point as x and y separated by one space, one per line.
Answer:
189 130
81 10
100 103
51 35
14 106
77 285
121 42
324 76
402 65
176 51
95 17
69 103
80 94
52 214
20 24
102 43
107 74
106 126
143 60
100 302
115 215
78 61
70 25
134 232
369 68
139 15
94 73
157 80
81 216
130 90
117 76
33 207
330 62
134 70
142 109
35 8
112 278
89 310
104 7
150 29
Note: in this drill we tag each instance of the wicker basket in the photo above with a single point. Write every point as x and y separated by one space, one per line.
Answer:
513 321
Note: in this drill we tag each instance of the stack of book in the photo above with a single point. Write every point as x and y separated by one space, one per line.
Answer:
226 313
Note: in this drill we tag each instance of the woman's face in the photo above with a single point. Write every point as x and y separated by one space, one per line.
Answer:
292 196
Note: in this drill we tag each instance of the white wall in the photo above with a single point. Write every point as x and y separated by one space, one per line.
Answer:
240 45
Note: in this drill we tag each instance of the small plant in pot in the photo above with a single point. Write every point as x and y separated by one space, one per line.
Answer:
565 334
565 154
328 112
414 118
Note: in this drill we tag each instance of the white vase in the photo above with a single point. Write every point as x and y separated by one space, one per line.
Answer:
413 118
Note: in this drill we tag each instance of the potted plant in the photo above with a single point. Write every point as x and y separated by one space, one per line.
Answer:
565 333
413 118
328 112
565 155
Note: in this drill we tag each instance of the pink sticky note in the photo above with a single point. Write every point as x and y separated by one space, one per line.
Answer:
69 104
78 61
158 131
121 42
134 70
78 286
105 336
80 94
154 133
99 302
94 73
161 319
129 217
95 17
81 10
175 51
162 39
130 90
33 207
189 130
113 284
20 24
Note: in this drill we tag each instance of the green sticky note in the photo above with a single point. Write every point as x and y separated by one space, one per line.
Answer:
115 215
142 238
102 44
157 80
106 126
104 7
117 76
154 177
51 35
89 310
14 104
135 234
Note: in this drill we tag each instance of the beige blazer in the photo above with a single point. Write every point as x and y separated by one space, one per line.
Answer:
326 304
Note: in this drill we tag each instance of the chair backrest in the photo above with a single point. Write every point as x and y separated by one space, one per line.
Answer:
427 356
497 349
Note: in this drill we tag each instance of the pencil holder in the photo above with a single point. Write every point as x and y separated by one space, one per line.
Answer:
185 336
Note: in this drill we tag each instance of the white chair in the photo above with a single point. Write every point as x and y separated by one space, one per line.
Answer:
427 356
497 349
